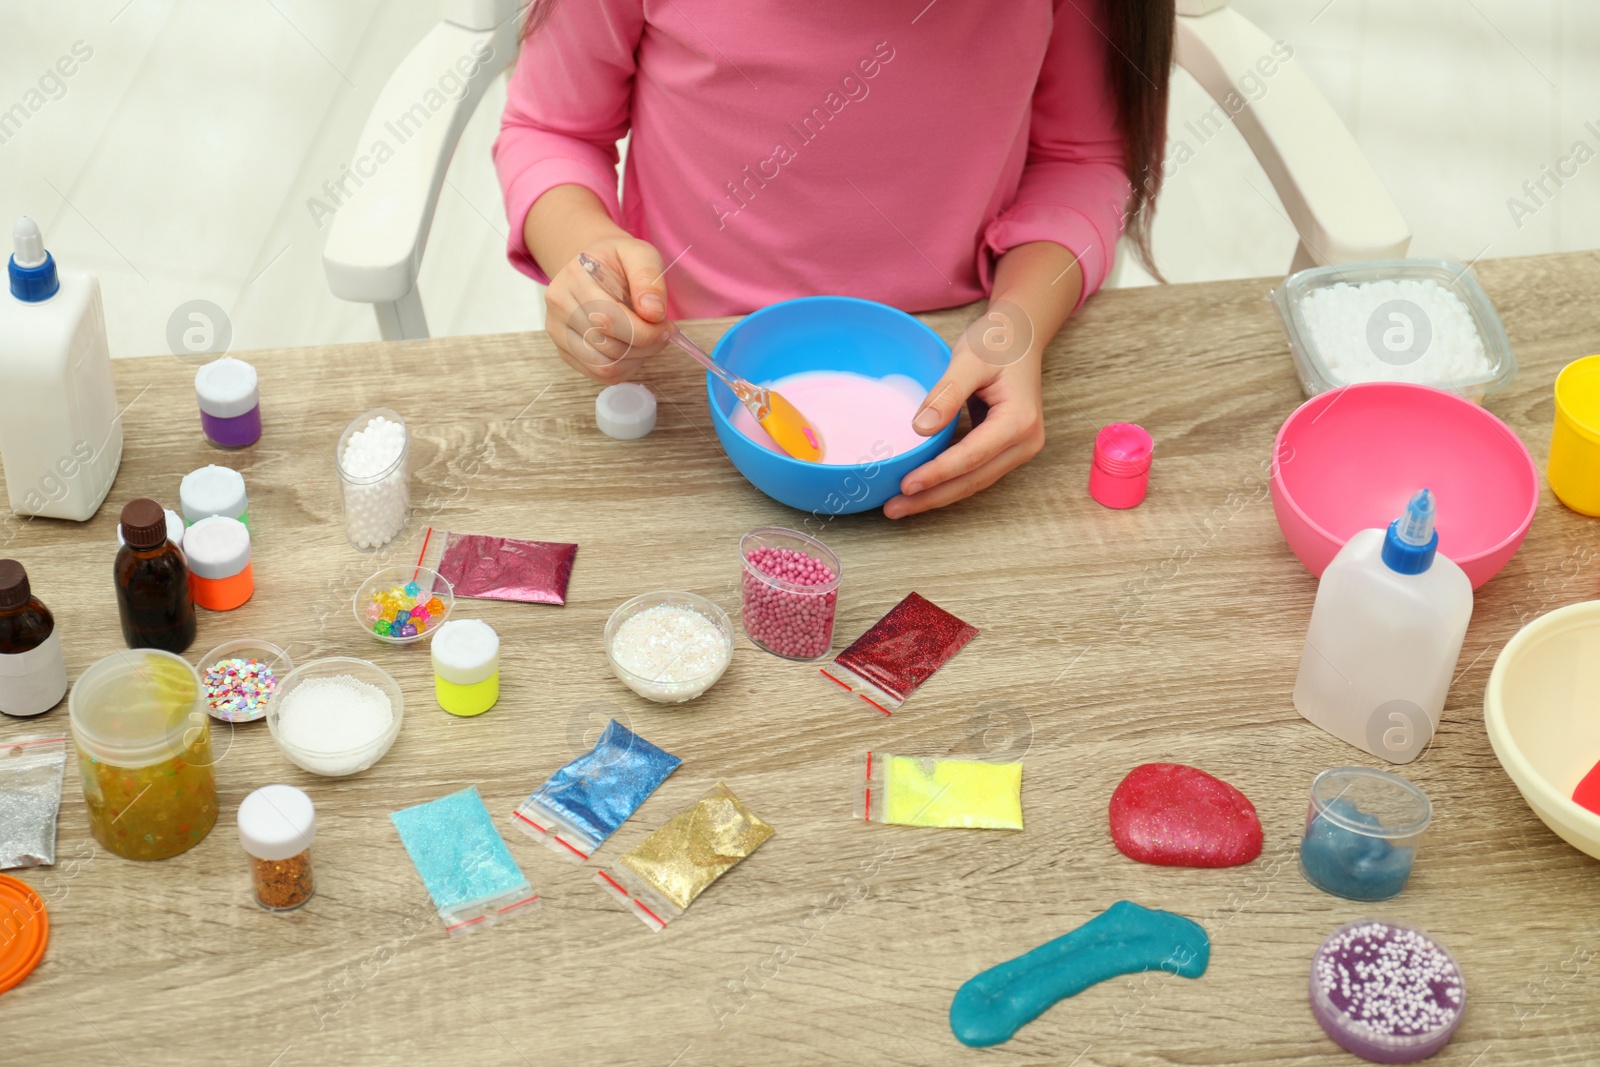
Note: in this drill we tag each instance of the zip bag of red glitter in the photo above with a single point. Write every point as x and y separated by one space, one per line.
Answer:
901 651
499 568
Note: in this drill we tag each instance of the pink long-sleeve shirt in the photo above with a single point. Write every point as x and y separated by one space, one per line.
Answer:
886 149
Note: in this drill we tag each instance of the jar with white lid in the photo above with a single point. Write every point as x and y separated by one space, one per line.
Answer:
277 824
213 490
229 396
221 576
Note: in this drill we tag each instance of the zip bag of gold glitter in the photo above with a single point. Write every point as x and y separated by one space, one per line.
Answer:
924 791
664 873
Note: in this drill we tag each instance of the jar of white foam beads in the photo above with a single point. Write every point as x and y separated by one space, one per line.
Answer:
371 459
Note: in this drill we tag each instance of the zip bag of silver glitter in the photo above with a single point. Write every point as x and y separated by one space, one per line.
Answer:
30 797
586 801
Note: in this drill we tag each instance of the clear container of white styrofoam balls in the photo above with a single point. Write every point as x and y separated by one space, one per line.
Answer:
373 476
1422 321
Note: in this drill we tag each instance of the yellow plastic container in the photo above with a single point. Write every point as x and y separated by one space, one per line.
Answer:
144 750
466 666
1538 710
1574 469
467 700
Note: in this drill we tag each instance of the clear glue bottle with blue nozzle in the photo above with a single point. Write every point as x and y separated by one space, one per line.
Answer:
60 434
1385 634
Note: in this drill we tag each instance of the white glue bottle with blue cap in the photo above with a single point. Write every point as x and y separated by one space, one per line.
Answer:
1385 635
60 435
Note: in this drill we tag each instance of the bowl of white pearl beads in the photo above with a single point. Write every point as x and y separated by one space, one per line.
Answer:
373 476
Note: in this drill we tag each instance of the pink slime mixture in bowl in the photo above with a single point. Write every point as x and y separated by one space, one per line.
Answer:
860 418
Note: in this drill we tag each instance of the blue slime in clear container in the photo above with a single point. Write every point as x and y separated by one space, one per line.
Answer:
1362 831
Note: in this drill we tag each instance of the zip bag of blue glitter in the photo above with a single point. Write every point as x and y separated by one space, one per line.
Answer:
463 861
585 802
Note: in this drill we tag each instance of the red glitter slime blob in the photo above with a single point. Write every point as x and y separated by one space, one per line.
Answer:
1177 816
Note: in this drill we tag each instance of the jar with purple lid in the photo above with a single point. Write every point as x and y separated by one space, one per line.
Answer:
230 402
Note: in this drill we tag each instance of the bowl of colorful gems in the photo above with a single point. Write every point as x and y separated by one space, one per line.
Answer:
669 646
239 677
1387 992
402 605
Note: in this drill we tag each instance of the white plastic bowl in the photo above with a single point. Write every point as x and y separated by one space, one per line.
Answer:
336 763
1539 710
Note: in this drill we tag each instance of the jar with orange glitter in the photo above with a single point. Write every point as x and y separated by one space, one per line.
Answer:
277 824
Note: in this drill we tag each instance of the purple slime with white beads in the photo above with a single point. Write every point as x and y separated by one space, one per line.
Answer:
1387 993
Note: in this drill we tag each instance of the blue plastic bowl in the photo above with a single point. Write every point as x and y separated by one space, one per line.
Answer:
825 333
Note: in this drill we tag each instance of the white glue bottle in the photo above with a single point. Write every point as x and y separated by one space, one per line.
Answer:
1386 631
60 435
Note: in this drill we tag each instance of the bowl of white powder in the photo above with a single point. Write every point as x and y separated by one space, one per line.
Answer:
1420 321
335 716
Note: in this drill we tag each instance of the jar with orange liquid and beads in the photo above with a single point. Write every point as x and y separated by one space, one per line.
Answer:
144 750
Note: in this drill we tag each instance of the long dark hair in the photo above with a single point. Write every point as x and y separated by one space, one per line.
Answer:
1140 36
1140 70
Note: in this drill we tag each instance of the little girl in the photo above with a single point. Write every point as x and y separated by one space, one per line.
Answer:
921 153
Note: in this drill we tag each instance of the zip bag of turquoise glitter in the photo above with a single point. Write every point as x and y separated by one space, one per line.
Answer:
585 802
463 862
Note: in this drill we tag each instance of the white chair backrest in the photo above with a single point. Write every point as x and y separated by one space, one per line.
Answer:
481 15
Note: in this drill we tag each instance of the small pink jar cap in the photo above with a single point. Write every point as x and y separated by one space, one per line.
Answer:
1120 473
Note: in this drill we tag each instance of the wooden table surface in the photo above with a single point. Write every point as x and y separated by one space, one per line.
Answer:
1109 639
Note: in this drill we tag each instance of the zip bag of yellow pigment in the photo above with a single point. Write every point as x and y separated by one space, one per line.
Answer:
928 791
662 875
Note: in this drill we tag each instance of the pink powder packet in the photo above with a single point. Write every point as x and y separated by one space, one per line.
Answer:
500 568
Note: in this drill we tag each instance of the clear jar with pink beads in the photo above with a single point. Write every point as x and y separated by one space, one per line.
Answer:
790 592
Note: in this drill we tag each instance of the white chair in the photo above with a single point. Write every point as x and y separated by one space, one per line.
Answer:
375 243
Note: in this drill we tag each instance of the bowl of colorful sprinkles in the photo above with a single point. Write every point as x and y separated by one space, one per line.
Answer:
669 646
1386 992
402 605
239 677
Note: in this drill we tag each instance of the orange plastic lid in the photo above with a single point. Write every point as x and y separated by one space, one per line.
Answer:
24 930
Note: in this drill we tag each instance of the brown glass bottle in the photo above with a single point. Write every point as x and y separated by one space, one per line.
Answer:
33 676
152 582
25 623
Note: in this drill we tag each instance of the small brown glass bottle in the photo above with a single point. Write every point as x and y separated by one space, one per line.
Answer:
33 674
152 582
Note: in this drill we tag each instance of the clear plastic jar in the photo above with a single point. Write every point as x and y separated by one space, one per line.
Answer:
277 824
790 592
144 750
376 488
1362 831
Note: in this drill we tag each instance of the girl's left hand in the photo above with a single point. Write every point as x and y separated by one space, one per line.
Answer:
1010 435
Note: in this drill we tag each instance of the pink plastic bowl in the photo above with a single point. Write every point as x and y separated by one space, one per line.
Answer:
1350 458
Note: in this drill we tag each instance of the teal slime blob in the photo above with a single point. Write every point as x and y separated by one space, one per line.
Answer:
1123 939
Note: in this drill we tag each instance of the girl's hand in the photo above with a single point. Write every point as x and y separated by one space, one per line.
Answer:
597 336
998 360
1010 435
